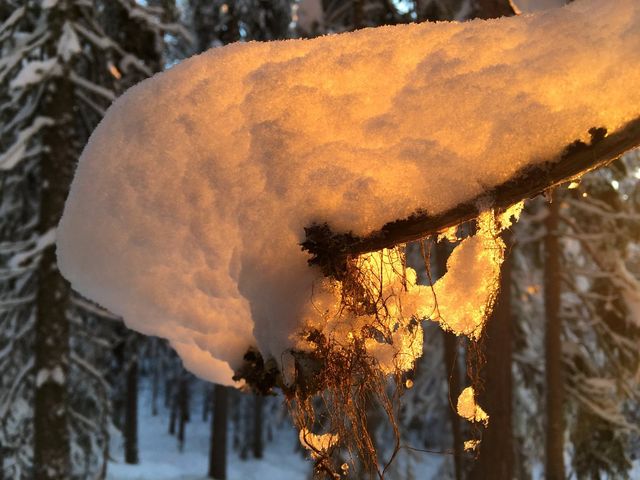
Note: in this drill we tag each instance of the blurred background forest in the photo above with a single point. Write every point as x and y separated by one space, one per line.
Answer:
81 396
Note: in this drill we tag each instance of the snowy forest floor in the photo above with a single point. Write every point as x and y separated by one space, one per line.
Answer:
160 458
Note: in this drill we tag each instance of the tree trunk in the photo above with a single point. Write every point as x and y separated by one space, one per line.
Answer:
236 418
206 404
247 427
493 8
357 14
496 449
155 378
51 449
168 392
452 371
453 374
2 455
51 431
258 413
173 416
183 408
218 451
553 344
131 414
204 25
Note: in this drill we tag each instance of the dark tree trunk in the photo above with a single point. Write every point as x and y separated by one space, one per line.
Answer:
118 365
493 8
51 449
168 397
2 455
51 433
236 419
183 408
496 449
357 14
553 343
173 416
452 371
247 426
206 404
155 378
258 436
453 374
131 414
218 450
205 21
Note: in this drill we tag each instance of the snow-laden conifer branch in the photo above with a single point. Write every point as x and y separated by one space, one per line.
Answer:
330 249
89 369
7 399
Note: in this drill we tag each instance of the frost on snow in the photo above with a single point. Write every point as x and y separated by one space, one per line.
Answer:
191 197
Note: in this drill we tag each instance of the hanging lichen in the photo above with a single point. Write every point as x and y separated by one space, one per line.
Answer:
366 331
363 334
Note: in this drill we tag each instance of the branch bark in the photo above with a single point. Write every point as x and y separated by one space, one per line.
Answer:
330 250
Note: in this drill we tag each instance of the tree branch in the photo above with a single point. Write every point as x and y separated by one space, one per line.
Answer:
330 250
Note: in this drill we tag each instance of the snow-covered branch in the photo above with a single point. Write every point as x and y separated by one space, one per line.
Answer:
7 399
330 249
18 150
383 143
92 87
92 308
90 370
6 29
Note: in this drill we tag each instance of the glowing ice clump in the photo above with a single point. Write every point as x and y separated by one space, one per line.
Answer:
467 292
469 409
190 199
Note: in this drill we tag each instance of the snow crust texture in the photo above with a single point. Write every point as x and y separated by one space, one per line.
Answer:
190 199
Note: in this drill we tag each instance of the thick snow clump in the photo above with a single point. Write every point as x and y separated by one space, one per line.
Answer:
188 206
